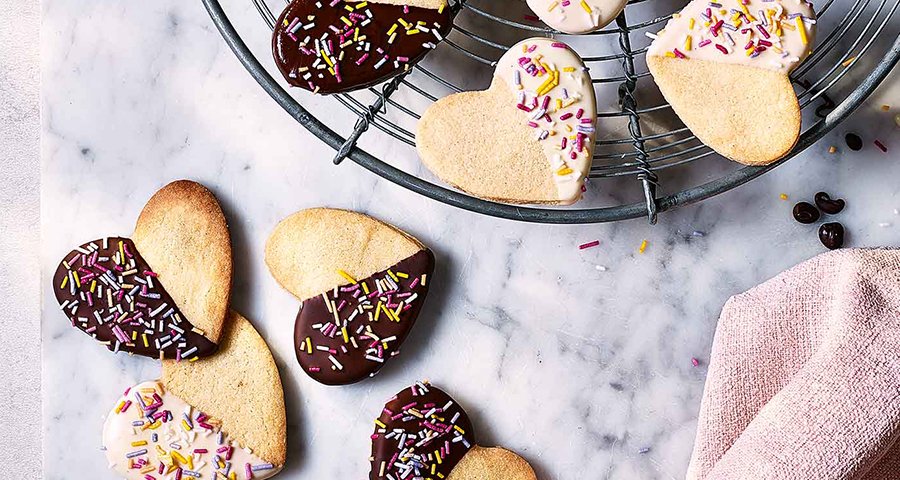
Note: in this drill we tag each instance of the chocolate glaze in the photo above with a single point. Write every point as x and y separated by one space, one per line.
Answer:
418 422
357 353
136 303
295 52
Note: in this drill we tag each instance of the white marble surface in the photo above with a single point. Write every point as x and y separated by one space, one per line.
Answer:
576 359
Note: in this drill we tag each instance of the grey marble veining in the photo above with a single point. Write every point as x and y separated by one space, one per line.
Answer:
580 360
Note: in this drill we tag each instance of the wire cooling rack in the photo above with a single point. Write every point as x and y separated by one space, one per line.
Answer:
853 54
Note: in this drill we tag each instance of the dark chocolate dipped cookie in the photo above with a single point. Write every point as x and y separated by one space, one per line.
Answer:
110 292
362 284
163 293
333 46
424 433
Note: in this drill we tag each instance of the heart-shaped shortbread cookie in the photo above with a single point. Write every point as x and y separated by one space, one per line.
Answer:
577 16
424 433
362 283
214 418
529 138
724 69
163 293
333 46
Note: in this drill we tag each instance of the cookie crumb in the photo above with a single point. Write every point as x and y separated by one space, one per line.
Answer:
885 108
848 61
832 149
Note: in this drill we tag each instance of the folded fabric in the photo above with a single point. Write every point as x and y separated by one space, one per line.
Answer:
804 377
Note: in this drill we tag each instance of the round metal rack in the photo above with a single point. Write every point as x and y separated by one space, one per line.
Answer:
851 33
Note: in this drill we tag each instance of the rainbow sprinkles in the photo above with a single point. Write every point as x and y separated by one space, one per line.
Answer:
577 16
153 435
768 34
556 97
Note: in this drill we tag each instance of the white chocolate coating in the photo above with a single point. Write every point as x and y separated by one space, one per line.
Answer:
775 35
577 16
137 446
556 97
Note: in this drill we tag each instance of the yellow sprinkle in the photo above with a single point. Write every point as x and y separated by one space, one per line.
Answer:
378 310
568 69
93 285
437 454
670 54
139 443
801 29
687 43
64 282
365 288
885 108
77 279
783 196
346 21
344 333
144 337
121 252
586 7
643 247
378 423
691 24
402 275
564 171
119 407
346 276
185 426
847 62
308 346
393 277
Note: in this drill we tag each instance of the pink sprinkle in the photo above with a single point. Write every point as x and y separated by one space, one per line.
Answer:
678 53
722 49
695 362
589 245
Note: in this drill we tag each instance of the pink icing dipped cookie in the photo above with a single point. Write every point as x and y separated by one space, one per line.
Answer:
529 138
724 66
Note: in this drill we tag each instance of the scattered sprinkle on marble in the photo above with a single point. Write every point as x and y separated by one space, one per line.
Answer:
698 233
695 362
589 245
880 146
601 268
643 246
783 196
884 224
848 61
644 450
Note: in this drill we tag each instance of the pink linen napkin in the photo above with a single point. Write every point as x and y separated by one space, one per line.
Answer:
804 378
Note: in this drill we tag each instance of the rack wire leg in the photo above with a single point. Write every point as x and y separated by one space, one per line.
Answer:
648 178
366 118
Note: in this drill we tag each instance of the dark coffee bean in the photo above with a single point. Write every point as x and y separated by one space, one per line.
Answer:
805 213
827 205
832 235
853 141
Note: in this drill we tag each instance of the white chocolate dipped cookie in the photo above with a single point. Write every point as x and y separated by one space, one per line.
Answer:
529 138
724 66
577 16
219 417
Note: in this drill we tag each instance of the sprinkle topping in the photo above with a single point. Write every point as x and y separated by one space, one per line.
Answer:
347 334
153 435
770 34
110 292
421 433
332 46
577 16
556 97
